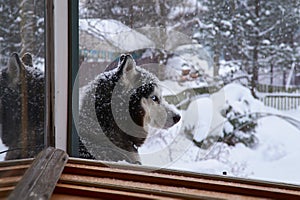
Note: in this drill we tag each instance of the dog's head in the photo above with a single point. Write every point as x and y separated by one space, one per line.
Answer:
147 106
158 113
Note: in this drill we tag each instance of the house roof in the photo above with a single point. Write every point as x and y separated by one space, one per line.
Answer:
111 35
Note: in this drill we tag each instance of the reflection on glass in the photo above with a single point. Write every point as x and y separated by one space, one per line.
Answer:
21 79
230 68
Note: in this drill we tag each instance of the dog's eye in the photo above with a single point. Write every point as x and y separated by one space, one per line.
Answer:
155 98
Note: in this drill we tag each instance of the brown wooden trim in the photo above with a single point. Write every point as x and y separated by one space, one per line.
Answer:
103 193
5 191
10 173
179 179
14 168
96 164
94 179
140 188
49 73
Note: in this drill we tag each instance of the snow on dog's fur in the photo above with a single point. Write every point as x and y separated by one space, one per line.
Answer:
22 101
117 109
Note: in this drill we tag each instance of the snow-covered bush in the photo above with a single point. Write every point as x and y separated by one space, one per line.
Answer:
235 118
240 125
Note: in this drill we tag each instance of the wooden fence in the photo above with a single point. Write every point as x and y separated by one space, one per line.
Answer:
274 88
280 101
283 101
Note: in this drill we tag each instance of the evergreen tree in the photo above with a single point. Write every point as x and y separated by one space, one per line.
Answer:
23 28
253 34
217 30
131 13
9 27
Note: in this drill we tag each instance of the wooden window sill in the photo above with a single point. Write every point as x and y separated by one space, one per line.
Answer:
87 179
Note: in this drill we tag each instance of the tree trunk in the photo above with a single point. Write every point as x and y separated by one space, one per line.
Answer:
271 78
161 11
28 26
254 79
284 77
216 61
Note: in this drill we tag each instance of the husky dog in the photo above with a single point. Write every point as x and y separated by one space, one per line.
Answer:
117 109
22 107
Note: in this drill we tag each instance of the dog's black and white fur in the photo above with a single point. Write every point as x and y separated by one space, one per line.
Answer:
22 100
117 109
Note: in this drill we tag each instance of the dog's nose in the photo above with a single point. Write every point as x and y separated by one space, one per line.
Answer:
176 118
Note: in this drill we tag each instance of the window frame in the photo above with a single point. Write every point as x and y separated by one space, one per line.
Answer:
73 67
49 73
62 50
79 175
61 67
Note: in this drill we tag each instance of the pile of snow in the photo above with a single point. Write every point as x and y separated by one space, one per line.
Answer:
228 68
176 62
115 34
174 87
2 148
275 158
195 56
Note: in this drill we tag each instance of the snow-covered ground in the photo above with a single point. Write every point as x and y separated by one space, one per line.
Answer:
2 148
275 158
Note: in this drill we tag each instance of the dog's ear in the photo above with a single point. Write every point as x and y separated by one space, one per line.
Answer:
127 66
27 59
14 68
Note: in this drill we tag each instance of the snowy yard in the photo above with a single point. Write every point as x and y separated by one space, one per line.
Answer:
275 158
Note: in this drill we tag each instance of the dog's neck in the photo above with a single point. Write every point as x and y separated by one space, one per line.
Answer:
126 141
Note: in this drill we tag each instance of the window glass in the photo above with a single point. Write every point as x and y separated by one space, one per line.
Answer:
220 94
22 57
